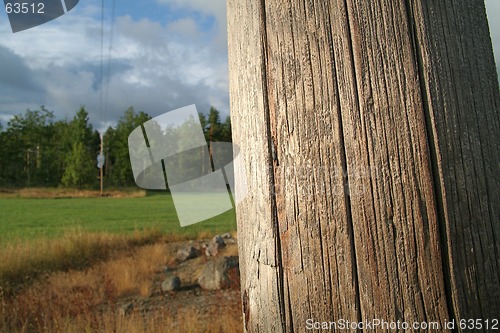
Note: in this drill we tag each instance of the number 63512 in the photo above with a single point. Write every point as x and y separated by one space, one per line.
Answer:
25 8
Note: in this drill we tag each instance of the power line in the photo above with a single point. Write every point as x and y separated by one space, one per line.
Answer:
102 63
103 101
101 134
110 48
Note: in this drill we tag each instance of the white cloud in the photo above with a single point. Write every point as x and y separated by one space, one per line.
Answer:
214 8
57 42
184 27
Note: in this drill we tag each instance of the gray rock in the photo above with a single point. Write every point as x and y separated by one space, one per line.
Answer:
171 283
212 249
218 240
215 244
188 252
228 239
220 273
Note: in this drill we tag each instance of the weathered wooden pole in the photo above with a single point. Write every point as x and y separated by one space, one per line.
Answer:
370 137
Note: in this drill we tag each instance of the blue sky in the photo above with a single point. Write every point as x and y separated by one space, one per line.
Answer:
165 54
161 12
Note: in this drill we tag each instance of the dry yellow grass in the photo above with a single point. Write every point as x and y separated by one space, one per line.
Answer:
85 301
185 322
133 275
22 262
49 193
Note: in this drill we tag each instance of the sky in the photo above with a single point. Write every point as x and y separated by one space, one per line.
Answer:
159 55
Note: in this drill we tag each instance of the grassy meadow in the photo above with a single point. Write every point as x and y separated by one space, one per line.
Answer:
32 218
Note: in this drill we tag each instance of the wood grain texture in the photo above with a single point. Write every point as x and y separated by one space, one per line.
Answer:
460 89
369 132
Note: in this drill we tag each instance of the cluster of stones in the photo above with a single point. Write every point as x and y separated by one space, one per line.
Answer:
218 273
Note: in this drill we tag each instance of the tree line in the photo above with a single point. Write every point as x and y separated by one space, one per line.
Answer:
38 150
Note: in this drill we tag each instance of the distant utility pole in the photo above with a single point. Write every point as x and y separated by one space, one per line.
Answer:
100 163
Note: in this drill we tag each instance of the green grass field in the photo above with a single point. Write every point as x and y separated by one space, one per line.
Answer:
24 219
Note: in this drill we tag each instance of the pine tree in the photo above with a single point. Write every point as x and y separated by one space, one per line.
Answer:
80 170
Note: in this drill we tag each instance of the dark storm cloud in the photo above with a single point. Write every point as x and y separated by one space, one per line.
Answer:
17 80
163 96
20 87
